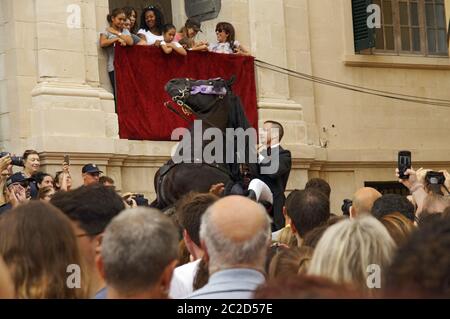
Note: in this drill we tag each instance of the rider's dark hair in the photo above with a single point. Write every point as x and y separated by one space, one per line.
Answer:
278 126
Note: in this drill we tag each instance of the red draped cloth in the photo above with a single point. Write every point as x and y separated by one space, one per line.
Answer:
142 72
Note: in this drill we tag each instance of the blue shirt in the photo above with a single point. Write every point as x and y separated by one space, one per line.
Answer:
101 294
238 283
4 208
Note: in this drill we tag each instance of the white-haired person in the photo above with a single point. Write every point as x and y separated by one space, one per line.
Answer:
354 251
234 234
138 255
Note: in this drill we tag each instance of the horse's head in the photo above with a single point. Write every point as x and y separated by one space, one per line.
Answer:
199 95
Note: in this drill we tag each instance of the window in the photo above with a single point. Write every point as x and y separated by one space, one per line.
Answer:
410 27
388 188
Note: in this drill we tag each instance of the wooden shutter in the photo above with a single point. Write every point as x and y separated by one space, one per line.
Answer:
364 37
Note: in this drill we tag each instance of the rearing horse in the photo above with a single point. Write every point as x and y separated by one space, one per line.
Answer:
214 104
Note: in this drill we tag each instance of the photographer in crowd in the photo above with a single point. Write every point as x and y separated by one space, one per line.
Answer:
19 187
6 172
427 188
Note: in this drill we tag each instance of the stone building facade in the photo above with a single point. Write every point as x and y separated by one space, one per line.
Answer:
55 92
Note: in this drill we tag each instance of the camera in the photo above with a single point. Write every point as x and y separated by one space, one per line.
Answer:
15 160
435 178
140 200
346 207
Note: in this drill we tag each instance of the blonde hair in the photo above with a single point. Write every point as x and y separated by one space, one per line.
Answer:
347 248
287 237
290 262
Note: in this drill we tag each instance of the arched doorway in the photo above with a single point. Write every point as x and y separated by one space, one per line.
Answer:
164 5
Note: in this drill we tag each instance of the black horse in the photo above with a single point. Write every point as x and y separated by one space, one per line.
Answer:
213 103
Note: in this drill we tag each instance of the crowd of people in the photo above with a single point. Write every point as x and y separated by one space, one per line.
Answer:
220 245
123 30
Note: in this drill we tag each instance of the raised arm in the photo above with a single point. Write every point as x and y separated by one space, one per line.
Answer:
416 188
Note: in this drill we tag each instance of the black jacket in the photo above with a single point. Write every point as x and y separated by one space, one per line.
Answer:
277 181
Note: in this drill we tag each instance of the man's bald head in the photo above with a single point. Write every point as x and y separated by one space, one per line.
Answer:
235 232
238 218
363 200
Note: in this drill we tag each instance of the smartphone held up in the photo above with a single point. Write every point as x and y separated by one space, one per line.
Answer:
404 163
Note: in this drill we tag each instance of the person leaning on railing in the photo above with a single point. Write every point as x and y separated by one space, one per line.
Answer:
113 35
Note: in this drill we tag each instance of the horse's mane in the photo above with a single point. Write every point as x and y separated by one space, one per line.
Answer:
236 116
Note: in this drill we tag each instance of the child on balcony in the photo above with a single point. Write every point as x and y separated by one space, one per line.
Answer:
226 40
169 45
186 36
112 35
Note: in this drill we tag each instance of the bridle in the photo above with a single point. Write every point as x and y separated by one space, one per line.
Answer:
187 91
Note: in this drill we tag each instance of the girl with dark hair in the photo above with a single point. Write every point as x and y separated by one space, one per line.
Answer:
113 35
131 14
152 22
130 25
226 40
168 45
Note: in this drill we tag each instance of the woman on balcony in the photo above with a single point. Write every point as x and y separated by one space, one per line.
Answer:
152 22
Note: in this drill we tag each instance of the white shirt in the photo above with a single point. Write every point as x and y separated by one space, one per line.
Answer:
176 44
223 47
183 280
150 37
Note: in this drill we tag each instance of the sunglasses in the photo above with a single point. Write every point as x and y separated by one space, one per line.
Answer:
220 30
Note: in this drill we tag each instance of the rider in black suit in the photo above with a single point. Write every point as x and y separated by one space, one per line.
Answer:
275 176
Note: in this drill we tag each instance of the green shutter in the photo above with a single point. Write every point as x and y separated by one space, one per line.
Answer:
363 36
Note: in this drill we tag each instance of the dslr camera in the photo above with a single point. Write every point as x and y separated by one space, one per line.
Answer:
346 207
138 198
15 160
435 178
